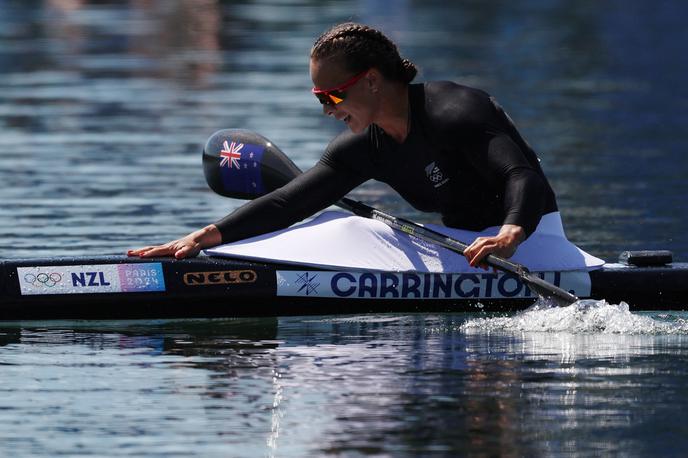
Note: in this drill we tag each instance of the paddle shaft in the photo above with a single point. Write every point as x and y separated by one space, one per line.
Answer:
541 286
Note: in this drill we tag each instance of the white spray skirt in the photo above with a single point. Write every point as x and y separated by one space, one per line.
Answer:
340 240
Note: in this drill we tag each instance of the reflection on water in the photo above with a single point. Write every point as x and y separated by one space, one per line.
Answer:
390 384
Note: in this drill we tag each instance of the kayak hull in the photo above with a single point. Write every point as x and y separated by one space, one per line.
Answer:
119 287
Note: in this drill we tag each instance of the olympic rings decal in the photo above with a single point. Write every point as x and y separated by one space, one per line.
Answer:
43 279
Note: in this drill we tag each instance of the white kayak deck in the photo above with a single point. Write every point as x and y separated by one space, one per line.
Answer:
338 240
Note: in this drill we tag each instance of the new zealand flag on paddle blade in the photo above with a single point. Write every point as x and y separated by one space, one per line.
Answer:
240 167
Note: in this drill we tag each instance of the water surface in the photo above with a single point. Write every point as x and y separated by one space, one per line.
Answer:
390 385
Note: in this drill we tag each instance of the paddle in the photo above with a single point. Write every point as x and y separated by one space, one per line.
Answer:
242 164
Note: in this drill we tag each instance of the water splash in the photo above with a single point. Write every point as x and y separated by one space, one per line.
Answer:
582 317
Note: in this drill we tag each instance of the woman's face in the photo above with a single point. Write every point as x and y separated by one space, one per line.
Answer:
359 104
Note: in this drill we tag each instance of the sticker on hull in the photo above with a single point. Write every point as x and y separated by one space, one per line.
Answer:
412 285
222 277
96 278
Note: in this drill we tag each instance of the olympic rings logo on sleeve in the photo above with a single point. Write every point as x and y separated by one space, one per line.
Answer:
43 279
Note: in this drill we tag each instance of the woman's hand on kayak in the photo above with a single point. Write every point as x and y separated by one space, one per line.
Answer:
503 245
185 247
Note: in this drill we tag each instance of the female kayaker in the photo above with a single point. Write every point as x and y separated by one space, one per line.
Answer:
443 147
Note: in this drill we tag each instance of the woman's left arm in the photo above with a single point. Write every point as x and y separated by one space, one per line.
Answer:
524 200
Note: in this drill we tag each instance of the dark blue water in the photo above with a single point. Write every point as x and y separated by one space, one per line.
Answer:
610 383
104 108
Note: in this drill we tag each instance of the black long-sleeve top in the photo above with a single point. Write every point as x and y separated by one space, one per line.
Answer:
462 158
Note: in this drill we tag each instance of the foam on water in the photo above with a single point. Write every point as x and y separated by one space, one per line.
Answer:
582 317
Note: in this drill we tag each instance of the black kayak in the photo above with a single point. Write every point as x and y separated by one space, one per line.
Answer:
119 287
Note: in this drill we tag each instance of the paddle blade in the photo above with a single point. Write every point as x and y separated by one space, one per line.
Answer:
244 165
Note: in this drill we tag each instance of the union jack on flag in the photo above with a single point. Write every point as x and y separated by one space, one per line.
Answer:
230 154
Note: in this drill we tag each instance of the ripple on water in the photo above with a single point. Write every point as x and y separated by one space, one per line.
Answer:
582 317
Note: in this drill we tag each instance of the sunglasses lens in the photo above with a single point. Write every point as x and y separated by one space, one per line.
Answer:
324 98
337 97
330 98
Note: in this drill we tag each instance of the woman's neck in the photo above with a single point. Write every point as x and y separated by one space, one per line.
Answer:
395 112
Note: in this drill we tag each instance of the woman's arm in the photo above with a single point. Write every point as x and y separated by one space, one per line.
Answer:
314 190
307 194
524 199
